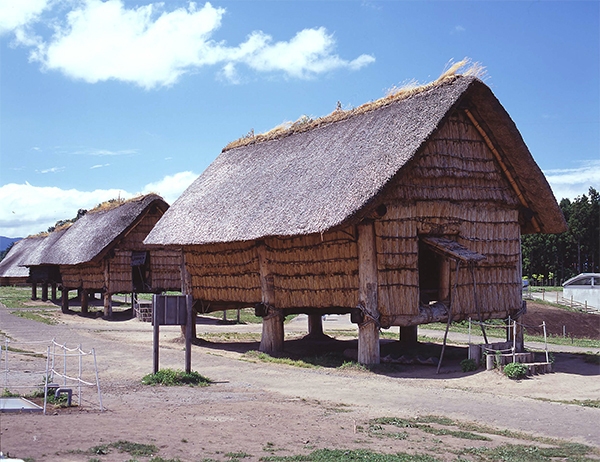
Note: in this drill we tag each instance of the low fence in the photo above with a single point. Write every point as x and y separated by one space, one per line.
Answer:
59 369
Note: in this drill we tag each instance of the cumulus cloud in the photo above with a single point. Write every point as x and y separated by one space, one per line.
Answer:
573 182
16 14
171 186
28 209
150 47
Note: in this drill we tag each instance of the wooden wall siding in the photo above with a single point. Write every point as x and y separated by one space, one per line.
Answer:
454 188
224 272
120 272
165 269
85 276
315 271
456 164
134 240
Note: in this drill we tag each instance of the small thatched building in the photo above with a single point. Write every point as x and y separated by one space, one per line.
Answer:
103 252
10 272
405 211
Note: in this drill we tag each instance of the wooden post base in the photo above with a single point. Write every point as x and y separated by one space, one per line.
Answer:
315 325
408 334
45 292
65 300
84 301
368 343
272 332
107 305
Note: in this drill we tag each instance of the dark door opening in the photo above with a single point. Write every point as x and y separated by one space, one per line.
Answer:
430 269
140 271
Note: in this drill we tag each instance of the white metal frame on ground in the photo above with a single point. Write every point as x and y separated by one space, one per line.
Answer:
59 365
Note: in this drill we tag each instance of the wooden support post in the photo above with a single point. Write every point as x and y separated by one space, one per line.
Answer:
44 291
368 330
107 294
53 285
315 325
155 336
186 289
65 300
408 334
190 322
34 291
272 327
107 305
84 301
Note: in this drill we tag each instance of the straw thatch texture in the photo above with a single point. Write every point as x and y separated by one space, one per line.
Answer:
95 253
312 181
447 161
90 237
11 271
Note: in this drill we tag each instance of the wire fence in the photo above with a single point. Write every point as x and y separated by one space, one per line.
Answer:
49 367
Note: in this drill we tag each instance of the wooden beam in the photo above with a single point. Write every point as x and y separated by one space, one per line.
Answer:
272 327
368 330
503 166
65 300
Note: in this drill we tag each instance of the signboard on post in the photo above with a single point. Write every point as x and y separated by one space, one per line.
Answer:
173 310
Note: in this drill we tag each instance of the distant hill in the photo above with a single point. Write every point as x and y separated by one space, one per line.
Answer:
6 241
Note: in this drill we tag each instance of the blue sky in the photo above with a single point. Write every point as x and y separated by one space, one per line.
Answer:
100 99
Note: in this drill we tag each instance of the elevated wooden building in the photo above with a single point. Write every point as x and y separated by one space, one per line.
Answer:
11 273
103 252
404 211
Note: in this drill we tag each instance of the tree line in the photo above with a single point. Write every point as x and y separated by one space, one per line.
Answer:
553 258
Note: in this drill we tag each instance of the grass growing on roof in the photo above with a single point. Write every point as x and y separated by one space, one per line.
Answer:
412 88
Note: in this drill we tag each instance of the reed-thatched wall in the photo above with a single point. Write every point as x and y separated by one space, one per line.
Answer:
453 188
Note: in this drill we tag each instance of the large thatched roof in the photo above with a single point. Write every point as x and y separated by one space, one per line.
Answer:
90 237
10 266
313 180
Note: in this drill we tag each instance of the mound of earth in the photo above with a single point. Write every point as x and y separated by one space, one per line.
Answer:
576 324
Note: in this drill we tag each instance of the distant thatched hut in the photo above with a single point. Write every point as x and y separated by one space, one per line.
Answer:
11 273
405 211
103 252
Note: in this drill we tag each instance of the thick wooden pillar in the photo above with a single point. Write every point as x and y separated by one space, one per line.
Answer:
368 330
84 301
272 327
186 289
107 304
107 294
65 300
34 291
53 285
44 291
408 334
315 325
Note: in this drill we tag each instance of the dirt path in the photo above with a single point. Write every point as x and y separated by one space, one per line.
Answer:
260 408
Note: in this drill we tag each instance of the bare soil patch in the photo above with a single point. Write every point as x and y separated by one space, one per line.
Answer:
256 410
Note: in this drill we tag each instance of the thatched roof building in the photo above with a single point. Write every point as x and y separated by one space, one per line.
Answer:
103 251
408 210
11 273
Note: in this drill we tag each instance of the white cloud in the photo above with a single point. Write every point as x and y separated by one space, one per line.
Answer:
458 29
51 170
171 186
28 209
15 14
150 47
573 182
98 166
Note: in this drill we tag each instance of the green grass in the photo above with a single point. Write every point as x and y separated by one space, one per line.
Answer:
43 316
331 359
15 297
134 449
171 377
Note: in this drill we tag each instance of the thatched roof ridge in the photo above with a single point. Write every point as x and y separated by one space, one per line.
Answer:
92 235
311 181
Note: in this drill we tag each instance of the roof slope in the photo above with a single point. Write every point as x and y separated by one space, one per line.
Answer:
11 265
92 235
314 180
